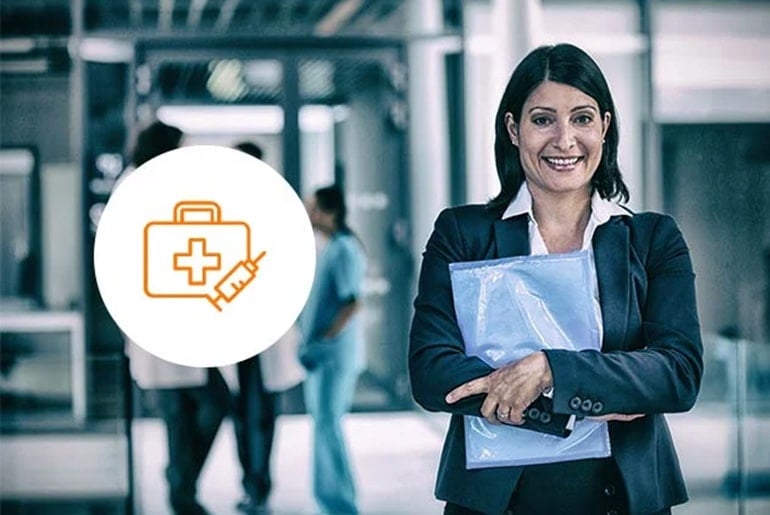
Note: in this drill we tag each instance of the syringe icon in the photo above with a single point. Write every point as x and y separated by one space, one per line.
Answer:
235 281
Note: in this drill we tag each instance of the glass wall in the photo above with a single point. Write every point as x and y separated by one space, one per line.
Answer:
722 442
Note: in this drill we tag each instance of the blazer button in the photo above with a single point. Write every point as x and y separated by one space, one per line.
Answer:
575 402
598 407
609 490
533 413
612 512
587 405
545 417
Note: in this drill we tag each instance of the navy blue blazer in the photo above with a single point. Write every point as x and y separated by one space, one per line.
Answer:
651 358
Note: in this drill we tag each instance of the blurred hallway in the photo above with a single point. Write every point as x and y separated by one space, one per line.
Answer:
395 99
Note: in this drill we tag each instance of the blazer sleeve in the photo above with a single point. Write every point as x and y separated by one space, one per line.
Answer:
437 360
664 374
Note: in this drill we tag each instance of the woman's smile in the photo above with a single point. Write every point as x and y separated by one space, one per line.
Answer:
562 164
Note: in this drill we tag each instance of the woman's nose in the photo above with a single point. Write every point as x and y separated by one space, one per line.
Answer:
564 138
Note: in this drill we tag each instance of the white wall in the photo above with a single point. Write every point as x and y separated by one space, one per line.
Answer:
428 151
481 101
711 63
61 220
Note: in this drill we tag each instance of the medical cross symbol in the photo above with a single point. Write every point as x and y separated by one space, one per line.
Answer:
197 261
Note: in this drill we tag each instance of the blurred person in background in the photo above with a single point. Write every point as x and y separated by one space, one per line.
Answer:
332 349
260 380
192 401
556 155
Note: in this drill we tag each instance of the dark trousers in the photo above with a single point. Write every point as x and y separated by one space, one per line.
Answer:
583 487
256 410
192 417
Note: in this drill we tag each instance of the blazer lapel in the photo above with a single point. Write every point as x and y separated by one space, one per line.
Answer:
512 236
611 254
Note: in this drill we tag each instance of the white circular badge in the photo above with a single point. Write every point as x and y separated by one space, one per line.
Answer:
204 256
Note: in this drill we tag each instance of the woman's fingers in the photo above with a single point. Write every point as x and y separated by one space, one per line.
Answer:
510 389
489 410
515 386
465 390
618 417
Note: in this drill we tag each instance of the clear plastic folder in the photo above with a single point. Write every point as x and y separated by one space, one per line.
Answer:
508 308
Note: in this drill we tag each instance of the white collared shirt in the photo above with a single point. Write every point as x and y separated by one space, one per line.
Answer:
601 211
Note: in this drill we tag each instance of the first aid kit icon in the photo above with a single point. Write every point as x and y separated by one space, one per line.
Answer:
197 254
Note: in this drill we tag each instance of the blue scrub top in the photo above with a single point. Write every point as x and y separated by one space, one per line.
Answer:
338 279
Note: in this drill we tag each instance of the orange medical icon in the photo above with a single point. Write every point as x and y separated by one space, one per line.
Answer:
197 254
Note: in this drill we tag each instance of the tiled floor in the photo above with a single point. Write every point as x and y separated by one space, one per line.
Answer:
395 457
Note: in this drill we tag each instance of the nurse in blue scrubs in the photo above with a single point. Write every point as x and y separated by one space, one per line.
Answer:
333 349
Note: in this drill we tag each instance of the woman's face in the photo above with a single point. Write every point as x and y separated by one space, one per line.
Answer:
319 218
559 138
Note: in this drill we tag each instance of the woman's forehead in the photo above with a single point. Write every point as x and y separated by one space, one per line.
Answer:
553 94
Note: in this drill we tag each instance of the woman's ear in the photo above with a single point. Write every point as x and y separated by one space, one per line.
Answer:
607 120
512 128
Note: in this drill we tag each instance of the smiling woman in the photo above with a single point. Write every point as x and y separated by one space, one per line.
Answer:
556 156
559 139
563 92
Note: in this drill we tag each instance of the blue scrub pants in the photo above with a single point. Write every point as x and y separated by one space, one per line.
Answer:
329 392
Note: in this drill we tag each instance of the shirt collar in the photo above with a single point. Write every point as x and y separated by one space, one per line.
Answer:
601 209
521 204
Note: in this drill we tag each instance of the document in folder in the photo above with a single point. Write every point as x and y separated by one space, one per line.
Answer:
508 308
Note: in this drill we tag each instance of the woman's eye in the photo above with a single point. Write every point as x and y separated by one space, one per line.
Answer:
541 120
583 119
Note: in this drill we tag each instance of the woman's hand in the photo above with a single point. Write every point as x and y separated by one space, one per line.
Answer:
618 417
510 389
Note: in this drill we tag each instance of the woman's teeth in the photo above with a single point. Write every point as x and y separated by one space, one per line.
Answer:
562 161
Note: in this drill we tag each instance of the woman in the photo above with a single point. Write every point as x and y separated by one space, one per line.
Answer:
333 349
556 156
